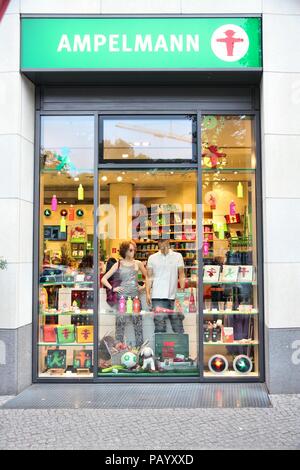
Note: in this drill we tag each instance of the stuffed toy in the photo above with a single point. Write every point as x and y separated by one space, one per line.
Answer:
148 361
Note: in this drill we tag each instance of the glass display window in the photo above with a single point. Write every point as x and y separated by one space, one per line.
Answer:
230 287
130 283
66 268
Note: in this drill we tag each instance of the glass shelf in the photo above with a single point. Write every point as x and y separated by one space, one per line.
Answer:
65 283
253 283
233 312
69 312
219 343
228 170
72 345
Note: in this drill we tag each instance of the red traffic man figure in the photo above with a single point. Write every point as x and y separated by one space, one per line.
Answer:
230 41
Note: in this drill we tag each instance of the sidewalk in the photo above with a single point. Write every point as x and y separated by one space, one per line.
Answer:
187 429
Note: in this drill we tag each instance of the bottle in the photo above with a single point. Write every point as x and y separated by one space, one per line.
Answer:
136 305
214 336
206 333
122 304
129 305
192 303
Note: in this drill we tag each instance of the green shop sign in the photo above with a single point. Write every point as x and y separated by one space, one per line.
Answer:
140 43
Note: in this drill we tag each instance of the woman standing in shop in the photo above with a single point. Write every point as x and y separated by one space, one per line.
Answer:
127 271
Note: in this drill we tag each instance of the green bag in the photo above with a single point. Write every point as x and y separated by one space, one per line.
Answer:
65 334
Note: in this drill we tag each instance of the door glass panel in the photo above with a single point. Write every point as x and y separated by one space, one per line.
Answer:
231 314
65 329
148 322
148 138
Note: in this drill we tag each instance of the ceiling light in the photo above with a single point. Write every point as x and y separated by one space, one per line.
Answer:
104 178
125 155
119 179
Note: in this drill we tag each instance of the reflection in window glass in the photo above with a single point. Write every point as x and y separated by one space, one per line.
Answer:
148 315
230 315
149 138
66 269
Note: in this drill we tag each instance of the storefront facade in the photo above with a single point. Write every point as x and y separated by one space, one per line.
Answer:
150 128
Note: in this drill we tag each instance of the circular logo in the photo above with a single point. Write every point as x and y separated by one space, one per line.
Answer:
230 42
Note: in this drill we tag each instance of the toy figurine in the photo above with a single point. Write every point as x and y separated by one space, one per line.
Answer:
148 359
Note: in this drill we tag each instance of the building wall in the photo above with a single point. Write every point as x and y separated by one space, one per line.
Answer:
281 166
281 169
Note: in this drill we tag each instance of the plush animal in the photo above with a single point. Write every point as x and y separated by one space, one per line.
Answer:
148 358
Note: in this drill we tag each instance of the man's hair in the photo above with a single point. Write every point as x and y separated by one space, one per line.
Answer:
163 240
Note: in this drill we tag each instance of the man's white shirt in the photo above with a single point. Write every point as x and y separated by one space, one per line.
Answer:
165 274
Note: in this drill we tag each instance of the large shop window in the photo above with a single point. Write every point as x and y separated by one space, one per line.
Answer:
176 240
230 300
66 337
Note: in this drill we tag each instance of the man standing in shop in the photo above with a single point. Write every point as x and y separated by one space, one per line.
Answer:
164 269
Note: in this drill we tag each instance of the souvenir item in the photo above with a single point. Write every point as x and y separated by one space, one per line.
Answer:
82 359
85 334
243 364
54 203
192 303
232 208
245 274
49 333
136 305
228 334
148 358
211 273
230 273
129 306
122 304
56 359
167 345
218 364
129 360
64 298
65 334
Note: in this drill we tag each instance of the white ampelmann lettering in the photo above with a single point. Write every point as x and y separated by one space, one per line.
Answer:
116 43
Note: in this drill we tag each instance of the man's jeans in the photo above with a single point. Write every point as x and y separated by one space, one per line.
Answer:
160 321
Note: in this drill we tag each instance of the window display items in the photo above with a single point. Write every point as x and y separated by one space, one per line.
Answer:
230 273
129 360
83 359
211 273
56 359
80 195
54 203
47 212
245 274
242 364
147 355
240 190
65 334
218 364
80 213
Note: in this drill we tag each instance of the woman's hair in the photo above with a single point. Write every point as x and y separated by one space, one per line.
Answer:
124 247
109 264
86 262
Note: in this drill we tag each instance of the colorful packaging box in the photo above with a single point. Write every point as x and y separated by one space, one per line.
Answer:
85 334
65 334
49 333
